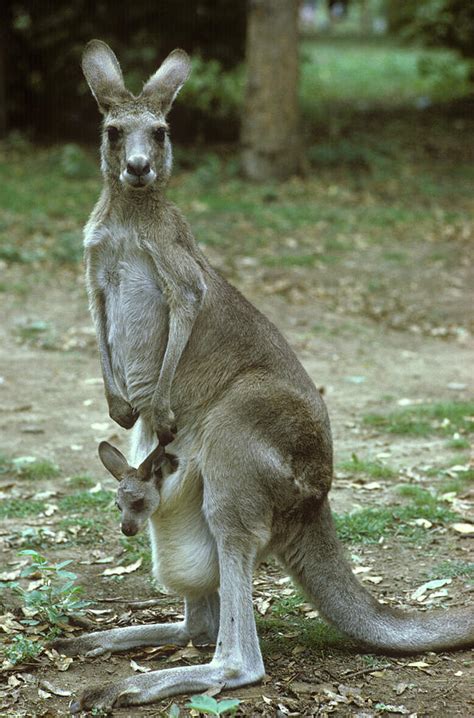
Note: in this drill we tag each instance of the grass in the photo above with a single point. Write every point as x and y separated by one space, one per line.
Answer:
374 469
20 508
314 636
453 569
84 501
369 525
441 419
83 530
83 481
28 467
137 547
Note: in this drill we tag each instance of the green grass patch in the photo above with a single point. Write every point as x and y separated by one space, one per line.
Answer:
374 469
137 547
36 469
369 525
453 569
288 606
279 635
20 508
419 496
82 501
83 530
440 419
460 444
83 481
457 485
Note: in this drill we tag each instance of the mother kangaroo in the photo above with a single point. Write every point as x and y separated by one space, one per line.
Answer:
187 360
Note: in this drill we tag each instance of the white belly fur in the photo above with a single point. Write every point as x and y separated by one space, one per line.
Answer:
183 549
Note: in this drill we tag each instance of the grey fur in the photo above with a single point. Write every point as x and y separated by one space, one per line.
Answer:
178 344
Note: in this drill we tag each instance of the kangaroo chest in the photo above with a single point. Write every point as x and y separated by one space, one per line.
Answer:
135 308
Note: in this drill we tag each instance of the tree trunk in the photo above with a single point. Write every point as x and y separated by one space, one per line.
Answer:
3 73
270 121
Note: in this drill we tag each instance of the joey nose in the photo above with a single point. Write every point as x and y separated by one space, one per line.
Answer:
138 166
129 529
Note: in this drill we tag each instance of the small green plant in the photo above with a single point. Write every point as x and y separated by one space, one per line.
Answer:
209 706
21 650
57 597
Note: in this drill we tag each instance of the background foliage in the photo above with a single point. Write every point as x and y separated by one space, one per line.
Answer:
45 93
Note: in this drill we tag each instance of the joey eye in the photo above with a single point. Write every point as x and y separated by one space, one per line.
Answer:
138 505
159 134
113 134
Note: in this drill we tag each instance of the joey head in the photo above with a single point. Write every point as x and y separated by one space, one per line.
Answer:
138 494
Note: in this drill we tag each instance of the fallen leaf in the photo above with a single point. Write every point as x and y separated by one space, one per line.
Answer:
418 664
430 585
10 575
120 570
8 623
44 694
373 579
56 691
188 652
463 528
263 604
138 668
424 523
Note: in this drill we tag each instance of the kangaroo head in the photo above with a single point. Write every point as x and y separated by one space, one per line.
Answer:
138 494
136 149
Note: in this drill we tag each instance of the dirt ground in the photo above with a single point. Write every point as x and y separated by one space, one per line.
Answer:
51 406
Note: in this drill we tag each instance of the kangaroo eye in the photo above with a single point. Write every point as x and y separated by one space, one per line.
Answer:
113 133
138 505
159 134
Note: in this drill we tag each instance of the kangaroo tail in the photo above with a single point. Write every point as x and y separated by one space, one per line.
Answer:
313 556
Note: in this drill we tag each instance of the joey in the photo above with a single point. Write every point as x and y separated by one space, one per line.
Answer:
138 493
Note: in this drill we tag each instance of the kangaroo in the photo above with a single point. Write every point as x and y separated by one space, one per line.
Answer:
138 495
188 360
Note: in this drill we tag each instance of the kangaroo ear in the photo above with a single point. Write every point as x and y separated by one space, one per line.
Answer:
167 81
103 74
152 462
113 460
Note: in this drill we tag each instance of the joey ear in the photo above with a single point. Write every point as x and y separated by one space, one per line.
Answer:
103 74
173 462
167 81
113 460
152 461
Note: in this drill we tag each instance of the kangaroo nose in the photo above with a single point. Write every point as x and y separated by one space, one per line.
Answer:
129 529
138 166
